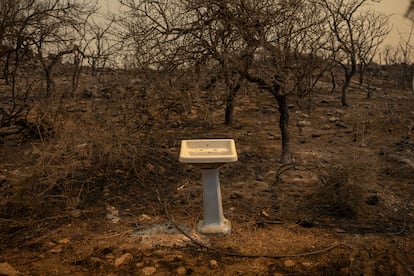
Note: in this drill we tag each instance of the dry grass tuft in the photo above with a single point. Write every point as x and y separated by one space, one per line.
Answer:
342 186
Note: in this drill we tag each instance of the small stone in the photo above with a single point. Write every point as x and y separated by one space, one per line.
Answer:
64 241
8 270
303 123
341 124
124 259
264 213
110 256
289 263
260 177
181 270
144 217
114 220
76 213
333 119
306 223
113 214
213 264
56 250
235 196
112 210
149 270
50 244
307 264
126 247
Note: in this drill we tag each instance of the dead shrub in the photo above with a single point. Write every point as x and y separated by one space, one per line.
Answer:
79 166
116 151
80 169
342 185
83 168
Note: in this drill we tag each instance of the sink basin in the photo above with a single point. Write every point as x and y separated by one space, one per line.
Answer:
208 151
209 155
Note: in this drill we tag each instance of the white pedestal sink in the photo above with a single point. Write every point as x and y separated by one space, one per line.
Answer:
209 155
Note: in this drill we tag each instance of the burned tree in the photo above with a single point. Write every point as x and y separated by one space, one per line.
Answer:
100 45
292 50
264 42
368 42
58 31
351 37
29 31
184 34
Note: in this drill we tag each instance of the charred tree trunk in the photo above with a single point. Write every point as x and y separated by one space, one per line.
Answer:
348 73
228 116
49 82
6 68
333 80
228 120
275 90
48 67
361 73
284 127
349 69
345 87
77 70
233 84
14 75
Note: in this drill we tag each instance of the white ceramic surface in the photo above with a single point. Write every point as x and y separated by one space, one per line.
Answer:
208 151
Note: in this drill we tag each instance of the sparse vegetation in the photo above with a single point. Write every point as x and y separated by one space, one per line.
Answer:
89 151
343 185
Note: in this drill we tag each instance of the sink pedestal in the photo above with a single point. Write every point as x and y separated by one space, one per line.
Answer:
214 221
209 155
